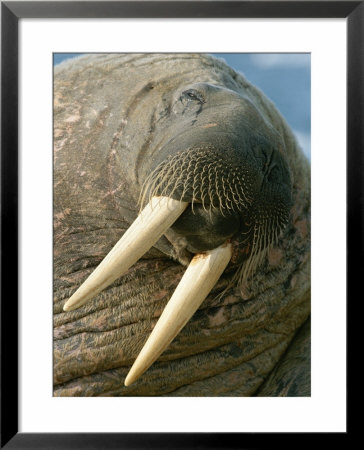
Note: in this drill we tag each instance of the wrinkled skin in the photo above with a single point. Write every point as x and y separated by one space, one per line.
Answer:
129 126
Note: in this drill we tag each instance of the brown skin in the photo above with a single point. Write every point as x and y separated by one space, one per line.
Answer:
111 117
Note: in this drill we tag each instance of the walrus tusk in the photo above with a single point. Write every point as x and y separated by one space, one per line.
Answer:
158 215
198 280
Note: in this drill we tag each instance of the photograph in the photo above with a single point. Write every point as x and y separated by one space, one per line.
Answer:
181 184
181 232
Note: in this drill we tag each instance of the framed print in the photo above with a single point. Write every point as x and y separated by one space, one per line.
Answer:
155 131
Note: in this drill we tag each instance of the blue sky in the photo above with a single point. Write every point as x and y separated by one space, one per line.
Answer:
284 77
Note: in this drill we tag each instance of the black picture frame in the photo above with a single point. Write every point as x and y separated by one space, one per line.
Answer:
11 12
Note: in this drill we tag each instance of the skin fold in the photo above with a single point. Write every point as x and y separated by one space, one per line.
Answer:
131 126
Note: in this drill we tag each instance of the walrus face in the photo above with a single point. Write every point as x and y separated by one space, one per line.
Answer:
226 162
217 186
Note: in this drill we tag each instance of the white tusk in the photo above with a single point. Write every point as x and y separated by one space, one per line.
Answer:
198 280
144 232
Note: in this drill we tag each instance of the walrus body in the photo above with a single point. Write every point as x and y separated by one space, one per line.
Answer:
127 127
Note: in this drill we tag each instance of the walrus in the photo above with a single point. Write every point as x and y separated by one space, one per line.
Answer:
181 232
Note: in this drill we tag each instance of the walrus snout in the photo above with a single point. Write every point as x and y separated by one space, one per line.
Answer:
235 187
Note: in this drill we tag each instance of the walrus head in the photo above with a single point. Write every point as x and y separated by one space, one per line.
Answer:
218 187
228 164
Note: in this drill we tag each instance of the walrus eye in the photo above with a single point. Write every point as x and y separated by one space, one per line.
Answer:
192 94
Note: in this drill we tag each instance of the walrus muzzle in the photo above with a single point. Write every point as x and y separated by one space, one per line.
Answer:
200 277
